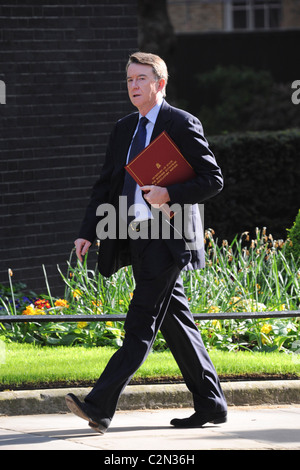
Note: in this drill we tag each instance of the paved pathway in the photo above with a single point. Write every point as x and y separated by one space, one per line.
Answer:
248 428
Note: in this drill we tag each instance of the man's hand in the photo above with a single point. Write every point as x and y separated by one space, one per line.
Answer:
155 195
82 247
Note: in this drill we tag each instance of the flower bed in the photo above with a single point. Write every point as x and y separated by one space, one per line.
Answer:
245 275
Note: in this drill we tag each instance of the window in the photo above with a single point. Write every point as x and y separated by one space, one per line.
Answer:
252 14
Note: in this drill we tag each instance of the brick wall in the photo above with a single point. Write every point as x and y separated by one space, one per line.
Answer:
194 16
291 14
191 16
63 67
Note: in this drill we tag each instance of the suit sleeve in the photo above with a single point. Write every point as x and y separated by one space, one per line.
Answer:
100 195
188 135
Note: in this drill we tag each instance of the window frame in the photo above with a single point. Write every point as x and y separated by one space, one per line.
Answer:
251 7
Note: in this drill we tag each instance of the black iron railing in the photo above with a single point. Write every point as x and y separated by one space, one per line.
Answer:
115 317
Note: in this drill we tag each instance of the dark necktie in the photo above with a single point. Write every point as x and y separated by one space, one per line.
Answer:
138 144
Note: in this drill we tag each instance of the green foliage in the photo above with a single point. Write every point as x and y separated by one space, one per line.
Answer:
294 237
261 178
245 275
237 99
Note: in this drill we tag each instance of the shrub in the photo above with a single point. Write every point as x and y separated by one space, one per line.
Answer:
294 237
238 99
261 178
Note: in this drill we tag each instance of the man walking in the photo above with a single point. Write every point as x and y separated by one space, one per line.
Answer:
158 301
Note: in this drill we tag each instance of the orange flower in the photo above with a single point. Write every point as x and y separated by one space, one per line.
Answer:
97 306
61 303
31 310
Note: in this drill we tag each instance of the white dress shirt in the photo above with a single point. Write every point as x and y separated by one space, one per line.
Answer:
142 211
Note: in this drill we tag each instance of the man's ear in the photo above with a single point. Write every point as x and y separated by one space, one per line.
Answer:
161 84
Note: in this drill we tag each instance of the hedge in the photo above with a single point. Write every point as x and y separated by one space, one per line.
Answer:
261 183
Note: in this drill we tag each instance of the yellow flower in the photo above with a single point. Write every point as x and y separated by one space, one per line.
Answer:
31 310
82 324
77 293
239 304
234 300
213 309
282 307
266 328
109 323
216 324
235 303
61 303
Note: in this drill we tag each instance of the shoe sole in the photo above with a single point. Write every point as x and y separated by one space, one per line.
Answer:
74 408
97 427
219 420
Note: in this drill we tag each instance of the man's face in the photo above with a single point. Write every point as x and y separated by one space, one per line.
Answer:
143 89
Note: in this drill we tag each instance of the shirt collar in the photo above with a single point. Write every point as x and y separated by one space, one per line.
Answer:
153 113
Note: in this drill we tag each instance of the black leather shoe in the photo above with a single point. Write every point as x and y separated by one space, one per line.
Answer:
197 420
81 409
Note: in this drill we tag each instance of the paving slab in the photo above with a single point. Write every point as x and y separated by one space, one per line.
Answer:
137 433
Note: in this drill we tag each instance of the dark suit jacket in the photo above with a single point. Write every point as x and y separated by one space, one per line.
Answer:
186 131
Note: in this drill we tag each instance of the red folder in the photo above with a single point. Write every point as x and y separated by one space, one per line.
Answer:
161 164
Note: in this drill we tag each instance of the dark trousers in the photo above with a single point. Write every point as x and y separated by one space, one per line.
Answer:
158 302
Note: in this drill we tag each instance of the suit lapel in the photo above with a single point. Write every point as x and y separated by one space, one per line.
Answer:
163 120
